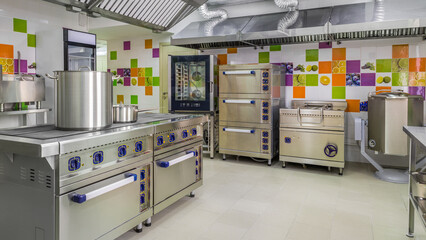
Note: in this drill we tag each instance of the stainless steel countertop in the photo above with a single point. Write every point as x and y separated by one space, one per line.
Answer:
416 133
46 140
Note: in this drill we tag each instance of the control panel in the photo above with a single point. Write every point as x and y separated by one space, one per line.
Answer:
98 157
266 141
265 80
167 138
145 187
198 154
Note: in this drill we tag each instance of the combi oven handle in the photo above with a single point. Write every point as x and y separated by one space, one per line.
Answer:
166 164
81 198
238 130
299 117
240 72
239 101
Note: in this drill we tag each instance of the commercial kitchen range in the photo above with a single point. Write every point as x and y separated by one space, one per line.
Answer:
96 184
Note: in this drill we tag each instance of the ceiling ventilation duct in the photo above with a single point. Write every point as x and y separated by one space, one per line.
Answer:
371 20
216 16
291 16
152 14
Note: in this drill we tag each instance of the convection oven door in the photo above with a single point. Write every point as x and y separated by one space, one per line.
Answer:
248 109
244 81
92 211
176 170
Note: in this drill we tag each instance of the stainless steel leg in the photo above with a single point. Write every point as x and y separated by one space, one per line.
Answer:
410 220
340 171
329 169
191 194
304 166
1 107
138 228
211 136
411 168
224 157
283 164
269 162
148 222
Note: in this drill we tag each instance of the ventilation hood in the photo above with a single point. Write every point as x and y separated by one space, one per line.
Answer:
377 19
152 14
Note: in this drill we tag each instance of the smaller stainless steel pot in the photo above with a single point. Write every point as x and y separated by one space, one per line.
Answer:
126 113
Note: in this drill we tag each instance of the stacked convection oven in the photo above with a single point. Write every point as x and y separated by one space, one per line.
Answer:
249 102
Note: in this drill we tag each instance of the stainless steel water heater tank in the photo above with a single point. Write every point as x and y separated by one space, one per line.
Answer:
387 114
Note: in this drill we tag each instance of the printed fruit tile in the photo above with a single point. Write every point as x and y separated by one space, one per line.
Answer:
400 65
120 81
353 66
338 67
400 79
368 79
134 72
126 72
311 79
338 93
312 67
134 81
383 79
141 72
311 55
353 105
299 80
417 91
384 89
8 65
384 65
114 82
368 66
298 92
120 99
416 79
353 79
299 68
289 67
400 51
417 64
338 80
324 67
325 54
339 54
325 79
148 81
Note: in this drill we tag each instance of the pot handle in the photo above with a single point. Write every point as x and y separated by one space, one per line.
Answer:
51 77
147 109
84 67
115 77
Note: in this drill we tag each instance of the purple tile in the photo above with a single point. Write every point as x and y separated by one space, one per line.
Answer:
126 45
417 91
325 45
126 81
120 72
24 66
108 70
368 79
353 66
155 52
353 79
289 80
127 72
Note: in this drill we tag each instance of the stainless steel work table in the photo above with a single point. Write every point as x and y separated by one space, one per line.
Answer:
417 189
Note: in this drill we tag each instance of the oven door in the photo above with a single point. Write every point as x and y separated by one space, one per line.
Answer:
245 110
92 211
176 170
244 81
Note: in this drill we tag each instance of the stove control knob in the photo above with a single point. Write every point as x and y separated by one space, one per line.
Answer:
98 157
138 146
172 137
194 132
184 134
74 164
122 151
160 141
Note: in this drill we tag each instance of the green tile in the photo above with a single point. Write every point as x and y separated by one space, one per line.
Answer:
134 99
114 83
311 55
148 81
400 79
384 65
275 48
113 55
148 72
400 65
156 81
24 106
134 63
31 40
338 93
19 25
264 57
299 80
311 79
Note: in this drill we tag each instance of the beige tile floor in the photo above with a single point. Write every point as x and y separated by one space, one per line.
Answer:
241 199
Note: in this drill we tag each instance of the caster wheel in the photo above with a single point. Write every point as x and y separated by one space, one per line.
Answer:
138 230
147 224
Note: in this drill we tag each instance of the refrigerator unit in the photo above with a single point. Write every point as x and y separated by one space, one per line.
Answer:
79 50
193 89
249 102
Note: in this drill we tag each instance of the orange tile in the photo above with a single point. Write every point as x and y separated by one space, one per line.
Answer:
324 67
232 50
353 105
298 92
148 91
222 59
338 80
120 99
339 54
400 51
417 64
6 51
148 43
133 72
384 89
141 81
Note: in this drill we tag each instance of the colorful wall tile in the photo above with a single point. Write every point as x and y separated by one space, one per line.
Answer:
148 43
19 25
126 45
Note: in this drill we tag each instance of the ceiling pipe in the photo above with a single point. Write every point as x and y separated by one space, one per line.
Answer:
216 16
291 5
290 18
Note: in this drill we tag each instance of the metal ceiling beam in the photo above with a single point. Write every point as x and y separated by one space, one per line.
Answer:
93 3
195 3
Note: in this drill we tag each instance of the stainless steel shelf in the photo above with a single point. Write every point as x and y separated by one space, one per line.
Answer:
25 112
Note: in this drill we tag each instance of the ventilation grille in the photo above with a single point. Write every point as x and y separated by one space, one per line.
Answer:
1 169
360 35
35 176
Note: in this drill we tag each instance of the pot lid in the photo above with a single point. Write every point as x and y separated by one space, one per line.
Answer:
396 95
